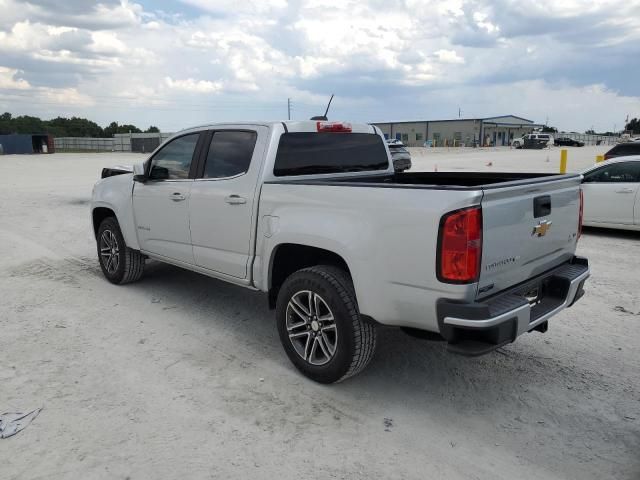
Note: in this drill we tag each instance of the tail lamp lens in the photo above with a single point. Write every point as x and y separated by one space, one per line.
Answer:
460 246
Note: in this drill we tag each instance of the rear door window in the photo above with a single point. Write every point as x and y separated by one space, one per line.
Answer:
229 154
302 153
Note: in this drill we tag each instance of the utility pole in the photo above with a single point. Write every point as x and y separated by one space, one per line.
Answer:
459 112
288 108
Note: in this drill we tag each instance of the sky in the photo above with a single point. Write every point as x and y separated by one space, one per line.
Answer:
178 63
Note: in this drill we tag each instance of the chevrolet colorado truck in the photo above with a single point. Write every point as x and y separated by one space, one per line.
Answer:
313 214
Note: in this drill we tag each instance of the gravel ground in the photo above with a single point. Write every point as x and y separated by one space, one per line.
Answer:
183 376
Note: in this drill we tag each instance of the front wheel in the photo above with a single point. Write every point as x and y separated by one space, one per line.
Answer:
320 326
119 263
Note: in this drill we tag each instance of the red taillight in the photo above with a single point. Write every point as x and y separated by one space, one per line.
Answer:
580 215
607 156
334 127
460 246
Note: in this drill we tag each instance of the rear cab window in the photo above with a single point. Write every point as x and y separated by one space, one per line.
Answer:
310 153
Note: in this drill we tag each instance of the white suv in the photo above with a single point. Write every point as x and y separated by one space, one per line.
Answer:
519 142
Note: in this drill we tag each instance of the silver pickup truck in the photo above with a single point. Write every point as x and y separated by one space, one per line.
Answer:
313 214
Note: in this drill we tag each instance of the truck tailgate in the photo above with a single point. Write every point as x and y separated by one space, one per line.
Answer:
527 230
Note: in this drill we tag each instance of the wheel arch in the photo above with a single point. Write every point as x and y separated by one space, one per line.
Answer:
98 214
287 258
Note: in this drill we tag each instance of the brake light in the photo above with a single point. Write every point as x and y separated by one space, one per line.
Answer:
460 246
580 215
334 127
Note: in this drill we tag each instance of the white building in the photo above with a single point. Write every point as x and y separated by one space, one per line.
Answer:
485 131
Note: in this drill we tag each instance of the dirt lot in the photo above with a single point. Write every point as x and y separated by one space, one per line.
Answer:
182 376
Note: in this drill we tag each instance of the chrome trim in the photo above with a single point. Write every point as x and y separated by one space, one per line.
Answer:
217 179
523 313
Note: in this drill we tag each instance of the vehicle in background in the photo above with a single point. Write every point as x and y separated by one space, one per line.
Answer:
623 150
567 142
313 215
533 140
400 155
611 194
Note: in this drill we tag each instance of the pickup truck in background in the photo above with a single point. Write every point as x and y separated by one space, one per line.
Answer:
313 214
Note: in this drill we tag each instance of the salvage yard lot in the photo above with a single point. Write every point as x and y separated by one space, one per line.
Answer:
183 376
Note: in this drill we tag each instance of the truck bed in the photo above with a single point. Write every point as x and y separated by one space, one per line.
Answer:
437 180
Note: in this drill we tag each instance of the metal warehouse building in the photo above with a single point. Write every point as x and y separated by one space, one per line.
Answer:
494 131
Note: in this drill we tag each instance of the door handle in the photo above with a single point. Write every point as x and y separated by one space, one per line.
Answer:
625 190
235 200
177 197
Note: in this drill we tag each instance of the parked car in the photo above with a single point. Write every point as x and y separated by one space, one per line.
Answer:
400 155
567 142
623 150
533 140
611 197
313 214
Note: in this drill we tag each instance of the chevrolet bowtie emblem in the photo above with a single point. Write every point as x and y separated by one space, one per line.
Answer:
541 229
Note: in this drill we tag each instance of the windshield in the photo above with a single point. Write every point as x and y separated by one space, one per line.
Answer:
311 153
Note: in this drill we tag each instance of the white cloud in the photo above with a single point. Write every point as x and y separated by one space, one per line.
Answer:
449 56
193 86
9 81
253 7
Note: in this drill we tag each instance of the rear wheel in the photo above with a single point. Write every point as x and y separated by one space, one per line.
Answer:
320 326
119 263
516 144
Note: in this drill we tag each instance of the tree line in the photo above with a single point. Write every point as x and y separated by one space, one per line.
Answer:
64 127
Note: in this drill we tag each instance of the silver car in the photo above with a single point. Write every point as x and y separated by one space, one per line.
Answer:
400 155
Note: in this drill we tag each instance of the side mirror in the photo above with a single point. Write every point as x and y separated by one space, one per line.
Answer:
138 173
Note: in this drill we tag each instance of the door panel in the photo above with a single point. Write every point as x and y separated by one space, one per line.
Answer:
162 218
222 201
161 204
609 202
610 192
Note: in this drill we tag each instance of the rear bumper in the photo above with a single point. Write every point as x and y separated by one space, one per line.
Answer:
480 327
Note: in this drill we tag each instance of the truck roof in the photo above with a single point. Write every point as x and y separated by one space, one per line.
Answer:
291 126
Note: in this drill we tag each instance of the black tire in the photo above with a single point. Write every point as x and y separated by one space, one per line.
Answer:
130 263
355 338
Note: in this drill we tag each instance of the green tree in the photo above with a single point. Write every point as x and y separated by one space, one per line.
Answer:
633 126
128 129
63 127
111 129
152 129
547 129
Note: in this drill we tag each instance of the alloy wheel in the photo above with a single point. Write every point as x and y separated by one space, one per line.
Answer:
109 251
311 327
